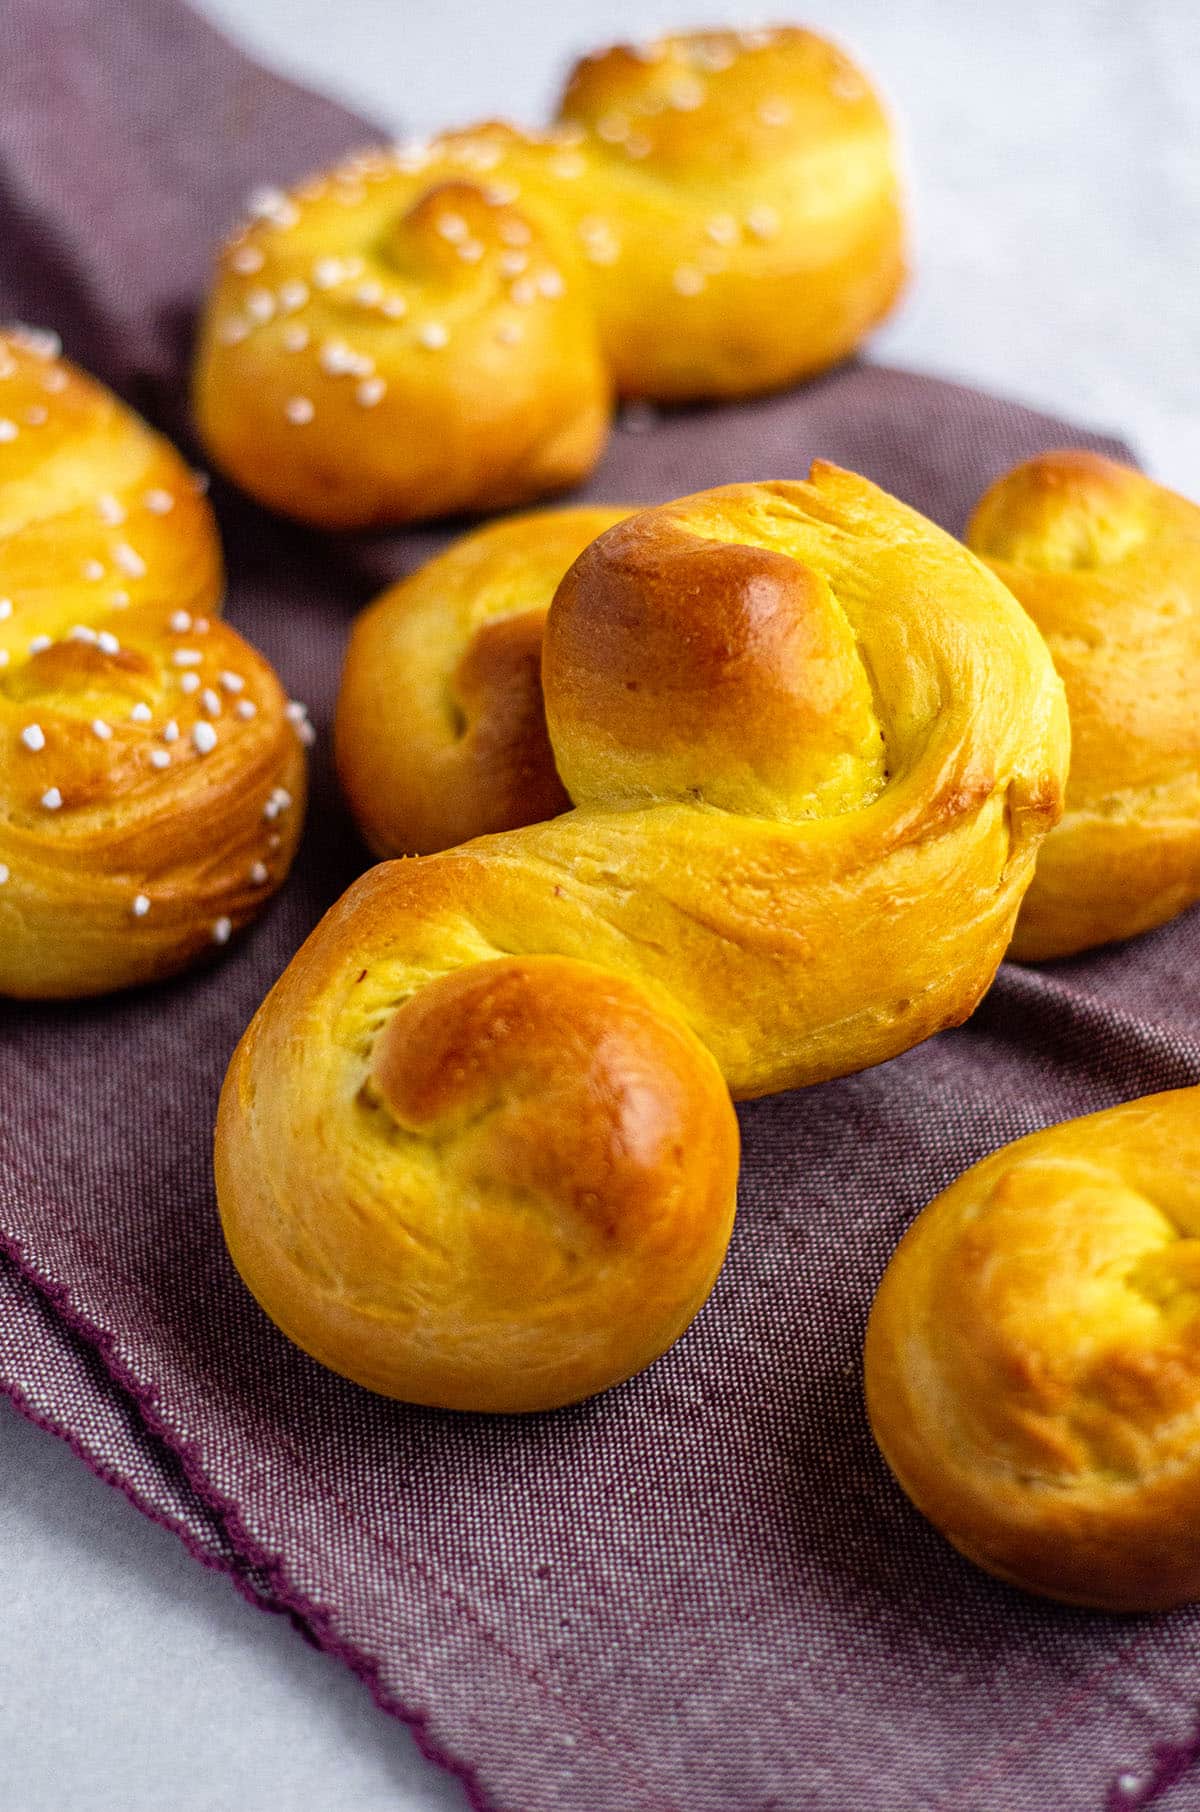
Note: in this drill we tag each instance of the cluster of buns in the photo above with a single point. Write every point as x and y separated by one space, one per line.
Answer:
1033 1356
151 768
443 328
1105 561
1033 1364
708 800
474 1149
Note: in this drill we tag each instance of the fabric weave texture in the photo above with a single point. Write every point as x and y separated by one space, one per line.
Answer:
701 1591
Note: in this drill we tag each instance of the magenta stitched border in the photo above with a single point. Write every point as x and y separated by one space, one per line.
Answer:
1166 1765
314 1621
143 1396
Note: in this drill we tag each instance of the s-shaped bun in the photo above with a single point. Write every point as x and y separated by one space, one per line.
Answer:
151 783
441 329
473 1149
1033 1359
1107 563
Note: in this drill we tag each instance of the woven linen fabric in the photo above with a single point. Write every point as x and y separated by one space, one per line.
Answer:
701 1592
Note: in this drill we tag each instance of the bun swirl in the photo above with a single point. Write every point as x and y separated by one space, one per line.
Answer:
441 725
812 747
151 783
441 329
1033 1359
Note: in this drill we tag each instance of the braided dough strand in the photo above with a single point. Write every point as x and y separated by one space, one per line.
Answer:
442 328
1107 563
813 746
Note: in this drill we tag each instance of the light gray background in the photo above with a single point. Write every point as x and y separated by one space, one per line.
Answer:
1054 154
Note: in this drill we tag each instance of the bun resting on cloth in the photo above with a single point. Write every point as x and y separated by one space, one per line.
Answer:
151 782
526 1185
813 746
441 728
442 328
1107 563
1033 1359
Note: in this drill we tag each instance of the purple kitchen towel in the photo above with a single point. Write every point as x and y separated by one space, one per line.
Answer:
701 1592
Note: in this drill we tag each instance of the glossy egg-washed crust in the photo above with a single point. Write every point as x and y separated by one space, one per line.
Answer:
443 328
813 746
128 846
1033 1359
1107 563
441 732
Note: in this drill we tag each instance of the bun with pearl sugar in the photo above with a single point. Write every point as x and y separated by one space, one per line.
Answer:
443 328
151 778
1033 1359
1107 563
476 1148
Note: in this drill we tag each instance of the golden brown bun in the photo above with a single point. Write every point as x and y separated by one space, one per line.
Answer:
1107 563
813 746
439 329
129 846
441 733
526 1178
1033 1359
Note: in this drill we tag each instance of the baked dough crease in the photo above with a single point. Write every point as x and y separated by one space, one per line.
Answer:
477 1148
444 327
1107 563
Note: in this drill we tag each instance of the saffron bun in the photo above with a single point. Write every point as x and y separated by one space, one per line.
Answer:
440 733
1107 563
442 328
1033 1359
475 1148
141 739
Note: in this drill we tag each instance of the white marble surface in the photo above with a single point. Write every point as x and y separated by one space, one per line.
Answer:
1055 159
